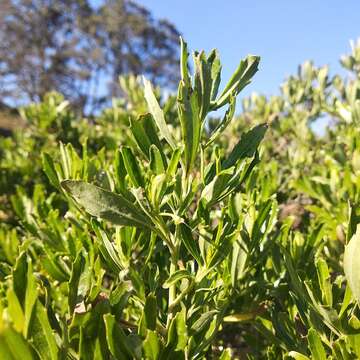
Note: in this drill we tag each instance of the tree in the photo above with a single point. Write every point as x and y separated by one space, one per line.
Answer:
80 50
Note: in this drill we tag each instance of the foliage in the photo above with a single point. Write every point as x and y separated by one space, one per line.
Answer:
157 231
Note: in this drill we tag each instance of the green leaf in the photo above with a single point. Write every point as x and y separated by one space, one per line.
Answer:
224 122
42 336
354 219
241 77
173 164
144 132
316 347
157 164
191 245
117 341
13 346
203 321
120 293
157 113
107 249
175 277
65 161
120 172
213 191
223 249
352 264
247 145
202 83
324 281
245 148
184 55
297 356
150 312
50 263
214 62
190 123
346 300
239 259
87 346
105 204
340 350
132 167
15 311
30 297
158 188
79 282
140 135
177 334
263 216
20 277
151 345
49 169
226 355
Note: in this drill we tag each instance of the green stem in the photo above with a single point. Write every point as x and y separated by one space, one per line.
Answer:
172 290
181 296
165 235
173 267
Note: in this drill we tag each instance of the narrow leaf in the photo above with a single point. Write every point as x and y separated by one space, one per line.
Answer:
191 245
352 264
184 55
49 169
117 341
175 277
202 84
42 335
247 145
173 164
144 132
78 288
151 345
132 167
241 77
156 160
150 312
157 113
13 346
107 249
224 122
214 62
324 281
316 347
190 122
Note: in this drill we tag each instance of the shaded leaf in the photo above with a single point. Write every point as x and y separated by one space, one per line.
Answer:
132 167
49 169
188 240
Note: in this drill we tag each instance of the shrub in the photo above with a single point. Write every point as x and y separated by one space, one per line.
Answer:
160 231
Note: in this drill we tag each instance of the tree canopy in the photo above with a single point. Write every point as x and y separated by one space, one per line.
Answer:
80 50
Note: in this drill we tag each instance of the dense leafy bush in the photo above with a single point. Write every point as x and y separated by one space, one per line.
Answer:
158 231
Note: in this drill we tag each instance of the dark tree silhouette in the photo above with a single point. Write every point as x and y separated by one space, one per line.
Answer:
79 50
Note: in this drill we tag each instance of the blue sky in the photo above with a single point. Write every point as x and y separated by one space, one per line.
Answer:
284 33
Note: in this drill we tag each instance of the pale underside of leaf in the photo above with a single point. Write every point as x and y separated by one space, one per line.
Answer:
352 264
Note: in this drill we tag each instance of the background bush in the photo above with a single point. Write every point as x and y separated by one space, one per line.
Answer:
124 236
